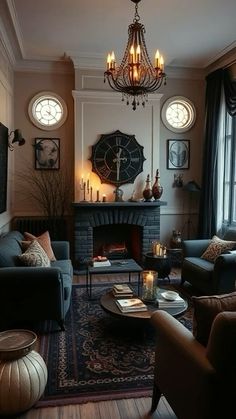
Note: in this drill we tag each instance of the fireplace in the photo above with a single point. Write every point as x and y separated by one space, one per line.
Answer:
134 225
118 241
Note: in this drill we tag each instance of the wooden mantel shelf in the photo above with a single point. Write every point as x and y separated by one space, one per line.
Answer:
119 204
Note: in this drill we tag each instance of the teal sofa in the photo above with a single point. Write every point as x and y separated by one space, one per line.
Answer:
33 293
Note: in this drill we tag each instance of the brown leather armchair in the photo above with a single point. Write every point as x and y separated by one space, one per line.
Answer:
198 382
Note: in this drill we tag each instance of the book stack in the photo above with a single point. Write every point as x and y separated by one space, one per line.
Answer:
131 305
100 261
122 291
178 302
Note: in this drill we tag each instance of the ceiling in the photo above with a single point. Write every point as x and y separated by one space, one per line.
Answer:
189 33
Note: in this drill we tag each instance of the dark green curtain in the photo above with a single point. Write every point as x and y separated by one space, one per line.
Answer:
208 199
230 92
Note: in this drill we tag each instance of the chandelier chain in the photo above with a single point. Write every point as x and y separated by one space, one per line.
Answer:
136 15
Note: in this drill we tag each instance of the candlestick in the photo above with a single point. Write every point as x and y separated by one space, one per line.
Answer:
98 196
84 189
91 194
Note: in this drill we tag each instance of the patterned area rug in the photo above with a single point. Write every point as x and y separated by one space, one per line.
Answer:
98 357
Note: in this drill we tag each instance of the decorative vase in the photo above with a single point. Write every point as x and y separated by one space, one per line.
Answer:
157 189
23 372
176 240
147 193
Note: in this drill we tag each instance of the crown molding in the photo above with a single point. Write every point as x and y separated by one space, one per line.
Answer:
46 66
6 44
107 95
84 61
16 26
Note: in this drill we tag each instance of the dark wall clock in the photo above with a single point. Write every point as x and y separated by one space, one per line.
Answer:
117 158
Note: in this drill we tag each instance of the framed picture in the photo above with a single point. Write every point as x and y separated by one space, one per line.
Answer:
178 154
3 167
47 153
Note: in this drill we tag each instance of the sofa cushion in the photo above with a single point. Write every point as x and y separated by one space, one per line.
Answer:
216 248
44 241
206 309
35 256
10 248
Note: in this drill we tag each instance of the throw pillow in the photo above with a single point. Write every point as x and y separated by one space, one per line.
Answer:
35 256
206 309
44 241
216 248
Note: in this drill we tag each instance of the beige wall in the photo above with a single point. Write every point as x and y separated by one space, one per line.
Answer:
98 111
6 118
26 86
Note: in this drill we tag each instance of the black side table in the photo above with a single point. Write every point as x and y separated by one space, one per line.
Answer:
175 256
160 264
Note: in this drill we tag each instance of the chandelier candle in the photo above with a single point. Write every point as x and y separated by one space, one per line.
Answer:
135 77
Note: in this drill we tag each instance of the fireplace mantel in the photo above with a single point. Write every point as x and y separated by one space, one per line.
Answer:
89 215
113 204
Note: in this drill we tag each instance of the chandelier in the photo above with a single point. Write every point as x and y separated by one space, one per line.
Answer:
136 76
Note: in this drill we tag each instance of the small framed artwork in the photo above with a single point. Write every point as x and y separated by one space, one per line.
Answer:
47 153
178 154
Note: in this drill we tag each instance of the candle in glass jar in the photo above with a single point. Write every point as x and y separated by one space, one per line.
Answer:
149 280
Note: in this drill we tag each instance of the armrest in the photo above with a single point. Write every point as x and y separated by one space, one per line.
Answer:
225 273
32 276
61 249
194 248
182 370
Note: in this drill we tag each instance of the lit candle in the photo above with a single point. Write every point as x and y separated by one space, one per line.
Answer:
113 60
98 195
104 198
108 61
149 280
162 63
132 54
158 249
91 194
138 53
157 56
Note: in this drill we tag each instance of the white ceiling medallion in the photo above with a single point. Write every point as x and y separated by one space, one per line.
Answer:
178 114
47 111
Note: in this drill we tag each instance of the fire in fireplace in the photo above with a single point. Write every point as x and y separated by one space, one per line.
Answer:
118 241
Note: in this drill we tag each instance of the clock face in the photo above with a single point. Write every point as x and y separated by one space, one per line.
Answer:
178 114
117 158
47 111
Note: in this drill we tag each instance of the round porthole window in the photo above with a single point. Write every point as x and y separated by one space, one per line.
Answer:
47 111
178 114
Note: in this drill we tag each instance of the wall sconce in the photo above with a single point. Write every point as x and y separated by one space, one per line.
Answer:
16 139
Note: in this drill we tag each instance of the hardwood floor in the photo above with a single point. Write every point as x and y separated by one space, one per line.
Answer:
115 409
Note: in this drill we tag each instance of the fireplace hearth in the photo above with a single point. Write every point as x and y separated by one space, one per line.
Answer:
97 225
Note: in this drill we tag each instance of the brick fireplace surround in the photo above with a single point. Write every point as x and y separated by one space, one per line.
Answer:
88 215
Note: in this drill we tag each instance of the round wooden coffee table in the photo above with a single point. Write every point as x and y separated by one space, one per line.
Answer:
108 303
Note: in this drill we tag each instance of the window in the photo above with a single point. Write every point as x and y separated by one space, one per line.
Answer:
230 172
